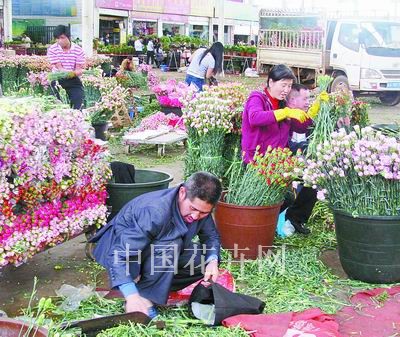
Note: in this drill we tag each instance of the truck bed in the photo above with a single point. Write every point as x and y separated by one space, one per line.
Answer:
303 49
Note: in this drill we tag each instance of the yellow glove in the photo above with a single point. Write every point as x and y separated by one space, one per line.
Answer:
284 113
324 96
314 109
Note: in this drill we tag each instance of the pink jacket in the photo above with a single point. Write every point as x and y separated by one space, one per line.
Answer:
259 126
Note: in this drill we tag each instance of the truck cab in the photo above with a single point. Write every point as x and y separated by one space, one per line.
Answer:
365 56
361 54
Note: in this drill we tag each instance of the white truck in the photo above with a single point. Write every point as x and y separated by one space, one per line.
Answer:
361 54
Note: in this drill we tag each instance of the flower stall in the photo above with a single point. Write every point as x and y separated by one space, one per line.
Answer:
52 178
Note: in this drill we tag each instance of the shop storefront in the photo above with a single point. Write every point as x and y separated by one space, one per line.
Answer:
113 19
199 27
173 28
140 27
114 26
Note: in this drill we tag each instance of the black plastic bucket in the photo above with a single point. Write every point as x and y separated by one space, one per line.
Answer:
369 247
146 181
100 130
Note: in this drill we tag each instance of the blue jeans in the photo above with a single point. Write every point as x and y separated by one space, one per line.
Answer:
198 82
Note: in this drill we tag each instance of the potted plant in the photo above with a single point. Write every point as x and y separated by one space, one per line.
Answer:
99 118
246 215
358 172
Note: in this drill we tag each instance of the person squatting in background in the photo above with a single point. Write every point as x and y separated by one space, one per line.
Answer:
204 64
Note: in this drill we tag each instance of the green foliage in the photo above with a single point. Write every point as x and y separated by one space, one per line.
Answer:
116 49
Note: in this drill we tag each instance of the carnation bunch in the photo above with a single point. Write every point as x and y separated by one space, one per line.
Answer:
207 111
265 181
358 172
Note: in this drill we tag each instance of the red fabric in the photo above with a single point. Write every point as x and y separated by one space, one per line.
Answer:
370 317
274 101
181 297
272 325
309 323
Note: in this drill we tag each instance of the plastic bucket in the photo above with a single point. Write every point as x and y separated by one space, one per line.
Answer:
246 230
369 246
146 181
14 328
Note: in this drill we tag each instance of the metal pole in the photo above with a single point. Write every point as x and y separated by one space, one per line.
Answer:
7 10
87 27
221 14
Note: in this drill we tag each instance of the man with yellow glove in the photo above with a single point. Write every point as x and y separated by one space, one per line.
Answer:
298 213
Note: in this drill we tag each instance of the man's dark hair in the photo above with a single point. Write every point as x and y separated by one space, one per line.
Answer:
298 86
60 30
295 91
205 186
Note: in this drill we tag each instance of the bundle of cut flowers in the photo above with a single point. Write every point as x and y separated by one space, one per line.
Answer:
38 80
171 93
96 61
359 113
236 93
144 68
358 172
52 178
325 122
60 75
264 181
111 102
208 119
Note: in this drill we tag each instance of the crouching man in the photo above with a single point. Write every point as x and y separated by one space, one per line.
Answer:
147 247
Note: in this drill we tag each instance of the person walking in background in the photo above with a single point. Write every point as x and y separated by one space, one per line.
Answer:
106 39
150 52
138 46
66 56
205 64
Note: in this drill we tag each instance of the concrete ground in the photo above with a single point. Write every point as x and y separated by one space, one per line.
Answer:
67 263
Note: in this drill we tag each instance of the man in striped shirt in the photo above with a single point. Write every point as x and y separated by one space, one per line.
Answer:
69 57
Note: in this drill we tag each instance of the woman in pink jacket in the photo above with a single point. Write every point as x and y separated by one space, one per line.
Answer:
266 121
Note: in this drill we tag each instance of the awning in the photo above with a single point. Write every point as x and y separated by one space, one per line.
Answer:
113 12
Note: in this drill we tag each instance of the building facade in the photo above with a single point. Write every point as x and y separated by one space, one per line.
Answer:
238 19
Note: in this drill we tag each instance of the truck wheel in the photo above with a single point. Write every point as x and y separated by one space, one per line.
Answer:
340 83
390 98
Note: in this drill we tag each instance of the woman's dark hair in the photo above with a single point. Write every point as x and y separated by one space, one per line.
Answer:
204 186
61 30
217 51
280 72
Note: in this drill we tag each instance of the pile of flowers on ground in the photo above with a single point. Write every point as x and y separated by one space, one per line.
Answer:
52 178
358 172
171 93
